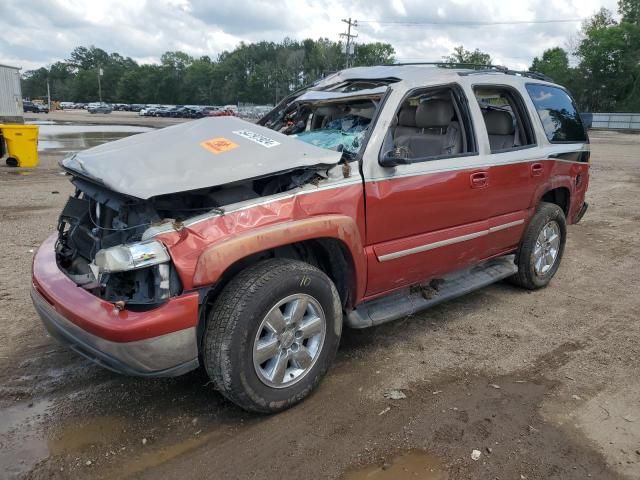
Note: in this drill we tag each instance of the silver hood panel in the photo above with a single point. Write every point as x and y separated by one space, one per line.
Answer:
196 154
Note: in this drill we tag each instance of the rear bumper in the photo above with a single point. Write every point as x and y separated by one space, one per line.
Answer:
581 212
158 342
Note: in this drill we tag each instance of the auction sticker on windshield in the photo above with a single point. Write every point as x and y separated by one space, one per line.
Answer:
257 138
219 145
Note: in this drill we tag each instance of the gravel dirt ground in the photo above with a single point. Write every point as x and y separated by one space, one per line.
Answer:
543 385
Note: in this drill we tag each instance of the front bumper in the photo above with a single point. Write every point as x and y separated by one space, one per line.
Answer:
158 342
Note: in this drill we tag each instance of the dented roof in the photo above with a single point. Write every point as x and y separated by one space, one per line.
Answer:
193 155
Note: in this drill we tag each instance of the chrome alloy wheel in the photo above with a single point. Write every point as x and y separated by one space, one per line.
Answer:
547 248
289 340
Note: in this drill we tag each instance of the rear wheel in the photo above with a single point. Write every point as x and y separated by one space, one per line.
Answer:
272 334
12 162
542 246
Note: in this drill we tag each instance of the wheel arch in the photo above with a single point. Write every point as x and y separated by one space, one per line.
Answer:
331 243
560 196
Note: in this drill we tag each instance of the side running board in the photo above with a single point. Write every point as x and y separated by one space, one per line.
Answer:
411 300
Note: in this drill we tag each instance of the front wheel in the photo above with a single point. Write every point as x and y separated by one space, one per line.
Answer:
542 246
272 334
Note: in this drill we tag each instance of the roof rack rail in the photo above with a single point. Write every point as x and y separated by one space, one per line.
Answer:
452 65
520 73
478 68
536 75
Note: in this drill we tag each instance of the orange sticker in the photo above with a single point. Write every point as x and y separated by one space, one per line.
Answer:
218 145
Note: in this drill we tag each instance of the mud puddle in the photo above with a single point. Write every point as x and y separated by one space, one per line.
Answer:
87 433
414 465
22 442
73 138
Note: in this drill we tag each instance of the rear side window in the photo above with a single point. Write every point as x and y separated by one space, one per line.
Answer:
560 119
505 117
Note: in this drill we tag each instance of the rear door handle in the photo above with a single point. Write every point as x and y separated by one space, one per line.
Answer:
479 180
536 169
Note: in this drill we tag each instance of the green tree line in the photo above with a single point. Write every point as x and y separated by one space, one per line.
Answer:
258 73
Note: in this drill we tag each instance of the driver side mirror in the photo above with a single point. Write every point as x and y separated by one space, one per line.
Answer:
394 157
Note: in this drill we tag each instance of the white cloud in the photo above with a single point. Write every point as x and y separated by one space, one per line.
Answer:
39 32
398 6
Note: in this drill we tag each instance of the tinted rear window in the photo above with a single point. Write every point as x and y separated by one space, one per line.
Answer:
560 119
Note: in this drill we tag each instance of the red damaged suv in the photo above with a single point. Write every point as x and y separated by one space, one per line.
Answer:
371 195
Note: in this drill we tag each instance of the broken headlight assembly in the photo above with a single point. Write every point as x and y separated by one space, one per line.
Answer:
136 274
122 258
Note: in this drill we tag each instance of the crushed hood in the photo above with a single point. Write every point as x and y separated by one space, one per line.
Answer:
196 154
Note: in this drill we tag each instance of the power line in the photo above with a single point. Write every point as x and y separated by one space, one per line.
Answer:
349 36
472 23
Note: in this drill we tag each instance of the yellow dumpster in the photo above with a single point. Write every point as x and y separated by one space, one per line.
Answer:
21 144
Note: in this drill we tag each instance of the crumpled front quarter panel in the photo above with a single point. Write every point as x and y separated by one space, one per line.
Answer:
203 251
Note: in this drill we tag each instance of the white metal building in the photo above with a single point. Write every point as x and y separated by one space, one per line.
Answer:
10 95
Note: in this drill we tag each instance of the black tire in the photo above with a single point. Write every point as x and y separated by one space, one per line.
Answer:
12 162
527 277
234 320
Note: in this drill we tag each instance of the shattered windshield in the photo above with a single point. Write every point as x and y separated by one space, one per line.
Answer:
335 120
343 134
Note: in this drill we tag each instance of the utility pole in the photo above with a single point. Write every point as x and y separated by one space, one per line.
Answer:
349 36
99 84
48 95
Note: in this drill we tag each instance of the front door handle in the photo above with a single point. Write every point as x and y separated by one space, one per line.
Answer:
536 169
479 180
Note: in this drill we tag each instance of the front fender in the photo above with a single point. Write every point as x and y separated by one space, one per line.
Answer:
217 258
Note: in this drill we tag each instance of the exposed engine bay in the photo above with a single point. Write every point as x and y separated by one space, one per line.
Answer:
96 218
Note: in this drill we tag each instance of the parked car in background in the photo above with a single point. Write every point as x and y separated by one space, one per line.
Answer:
161 111
175 112
99 108
254 112
29 107
136 107
149 110
167 112
196 112
42 108
224 112
207 111
187 112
